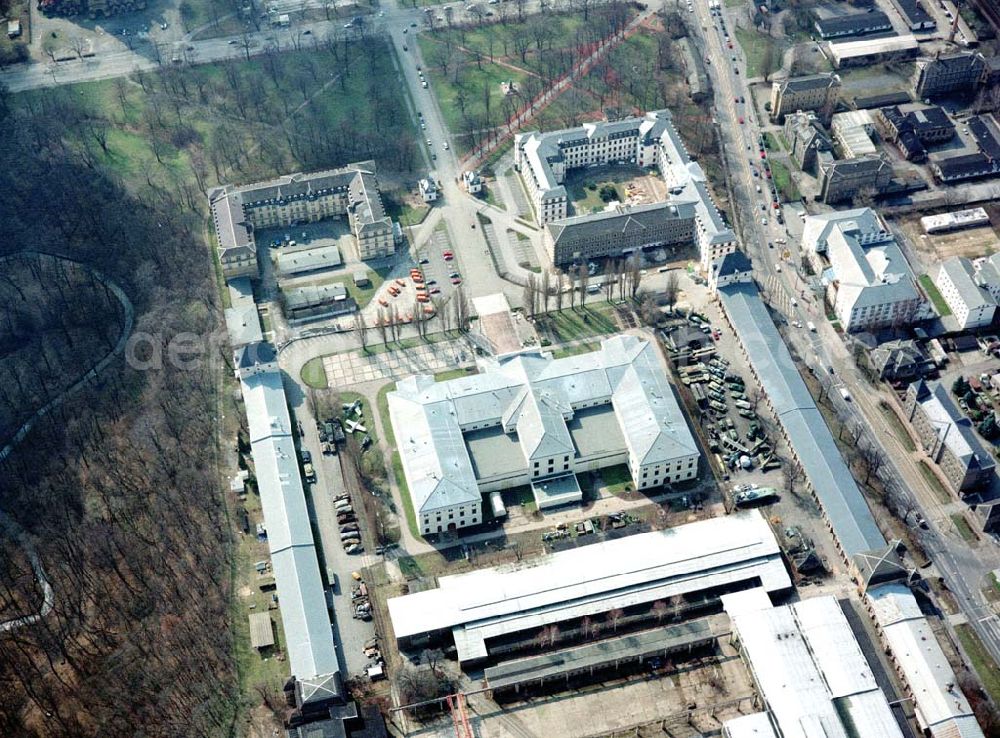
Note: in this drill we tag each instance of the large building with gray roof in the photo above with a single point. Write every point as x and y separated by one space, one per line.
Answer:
300 198
869 281
948 437
308 636
544 160
530 419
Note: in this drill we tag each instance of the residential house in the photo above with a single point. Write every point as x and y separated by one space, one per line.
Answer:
901 360
730 269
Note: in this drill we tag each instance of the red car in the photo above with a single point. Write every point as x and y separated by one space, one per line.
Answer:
763 155
741 120
448 255
456 280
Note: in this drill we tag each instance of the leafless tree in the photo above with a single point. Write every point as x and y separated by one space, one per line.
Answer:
793 475
545 289
660 610
559 287
529 295
584 278
610 277
614 616
361 329
671 288
462 310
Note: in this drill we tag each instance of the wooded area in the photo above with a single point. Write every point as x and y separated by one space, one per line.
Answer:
117 488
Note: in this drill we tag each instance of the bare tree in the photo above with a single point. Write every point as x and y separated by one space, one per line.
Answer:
529 295
610 272
462 310
584 277
545 290
614 616
672 288
559 289
635 276
660 610
793 475
361 329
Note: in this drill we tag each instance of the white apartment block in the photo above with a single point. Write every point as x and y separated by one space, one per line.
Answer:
303 198
868 279
544 159
529 419
963 289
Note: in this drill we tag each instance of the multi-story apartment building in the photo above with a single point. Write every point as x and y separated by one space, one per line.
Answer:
948 437
544 159
529 419
303 198
812 92
808 141
962 288
236 247
842 179
622 231
868 280
945 74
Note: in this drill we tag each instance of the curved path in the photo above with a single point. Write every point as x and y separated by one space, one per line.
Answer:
12 526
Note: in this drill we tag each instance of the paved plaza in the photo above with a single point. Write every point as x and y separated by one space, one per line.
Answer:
353 367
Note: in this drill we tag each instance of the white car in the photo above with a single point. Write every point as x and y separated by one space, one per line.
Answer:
445 145
763 221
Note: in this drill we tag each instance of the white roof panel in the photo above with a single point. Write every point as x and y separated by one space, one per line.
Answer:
694 556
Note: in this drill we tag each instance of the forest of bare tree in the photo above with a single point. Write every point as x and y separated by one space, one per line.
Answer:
117 488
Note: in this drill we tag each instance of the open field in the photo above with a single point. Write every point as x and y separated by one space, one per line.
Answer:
939 490
761 51
569 324
783 182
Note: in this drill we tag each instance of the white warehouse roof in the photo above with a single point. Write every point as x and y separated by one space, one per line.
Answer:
593 579
811 672
940 705
308 635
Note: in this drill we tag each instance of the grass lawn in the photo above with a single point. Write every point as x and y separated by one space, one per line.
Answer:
313 373
617 479
518 496
897 428
935 296
587 198
406 213
397 464
754 46
580 348
734 3
963 528
940 492
363 295
569 324
454 374
375 346
982 662
771 142
783 181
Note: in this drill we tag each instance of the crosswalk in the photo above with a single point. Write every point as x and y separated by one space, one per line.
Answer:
777 294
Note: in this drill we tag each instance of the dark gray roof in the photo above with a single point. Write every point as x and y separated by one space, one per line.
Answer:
966 166
985 137
808 82
735 262
255 353
878 101
913 11
853 24
845 507
881 565
622 220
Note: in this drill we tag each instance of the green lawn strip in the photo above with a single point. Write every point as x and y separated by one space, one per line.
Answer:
939 490
313 373
735 3
397 464
405 213
982 662
453 374
580 348
963 528
897 427
783 181
771 141
364 295
617 479
935 296
522 496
